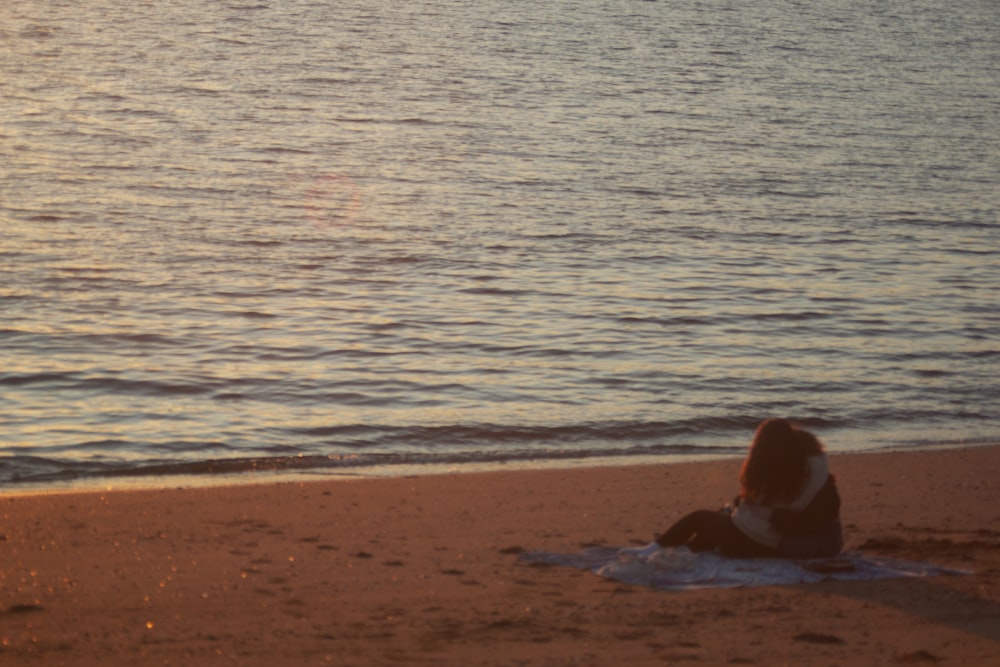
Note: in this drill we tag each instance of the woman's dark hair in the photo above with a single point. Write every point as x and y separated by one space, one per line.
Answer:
777 466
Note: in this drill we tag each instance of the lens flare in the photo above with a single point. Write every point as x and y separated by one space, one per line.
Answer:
333 200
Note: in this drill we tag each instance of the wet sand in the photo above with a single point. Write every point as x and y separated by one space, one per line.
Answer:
423 571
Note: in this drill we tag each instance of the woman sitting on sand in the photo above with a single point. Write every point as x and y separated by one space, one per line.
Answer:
788 504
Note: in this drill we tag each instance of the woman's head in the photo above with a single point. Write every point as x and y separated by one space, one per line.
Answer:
776 468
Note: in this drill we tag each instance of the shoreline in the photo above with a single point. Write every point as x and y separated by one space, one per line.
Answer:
423 570
126 482
149 482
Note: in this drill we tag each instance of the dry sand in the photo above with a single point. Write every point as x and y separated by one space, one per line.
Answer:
424 570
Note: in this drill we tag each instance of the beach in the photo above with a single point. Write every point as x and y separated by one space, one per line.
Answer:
425 570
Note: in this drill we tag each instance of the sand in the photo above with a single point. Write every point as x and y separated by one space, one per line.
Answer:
423 571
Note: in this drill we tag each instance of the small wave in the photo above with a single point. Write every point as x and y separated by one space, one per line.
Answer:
492 435
33 469
286 149
39 31
494 291
197 90
667 322
101 384
794 195
932 373
263 243
791 316
325 80
141 338
254 314
641 192
23 379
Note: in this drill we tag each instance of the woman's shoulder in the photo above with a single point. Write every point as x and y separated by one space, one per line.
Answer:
818 466
818 473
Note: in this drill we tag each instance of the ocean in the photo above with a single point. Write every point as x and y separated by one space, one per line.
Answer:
346 237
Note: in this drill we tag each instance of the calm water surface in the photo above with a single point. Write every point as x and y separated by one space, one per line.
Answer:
326 235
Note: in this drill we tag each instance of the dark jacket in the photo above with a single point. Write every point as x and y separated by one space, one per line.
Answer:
813 532
818 514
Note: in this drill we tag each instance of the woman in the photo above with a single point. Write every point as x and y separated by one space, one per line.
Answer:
788 504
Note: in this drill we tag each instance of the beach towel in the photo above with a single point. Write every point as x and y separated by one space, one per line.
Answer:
679 568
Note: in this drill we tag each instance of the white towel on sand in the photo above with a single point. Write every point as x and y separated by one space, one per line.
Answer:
680 568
